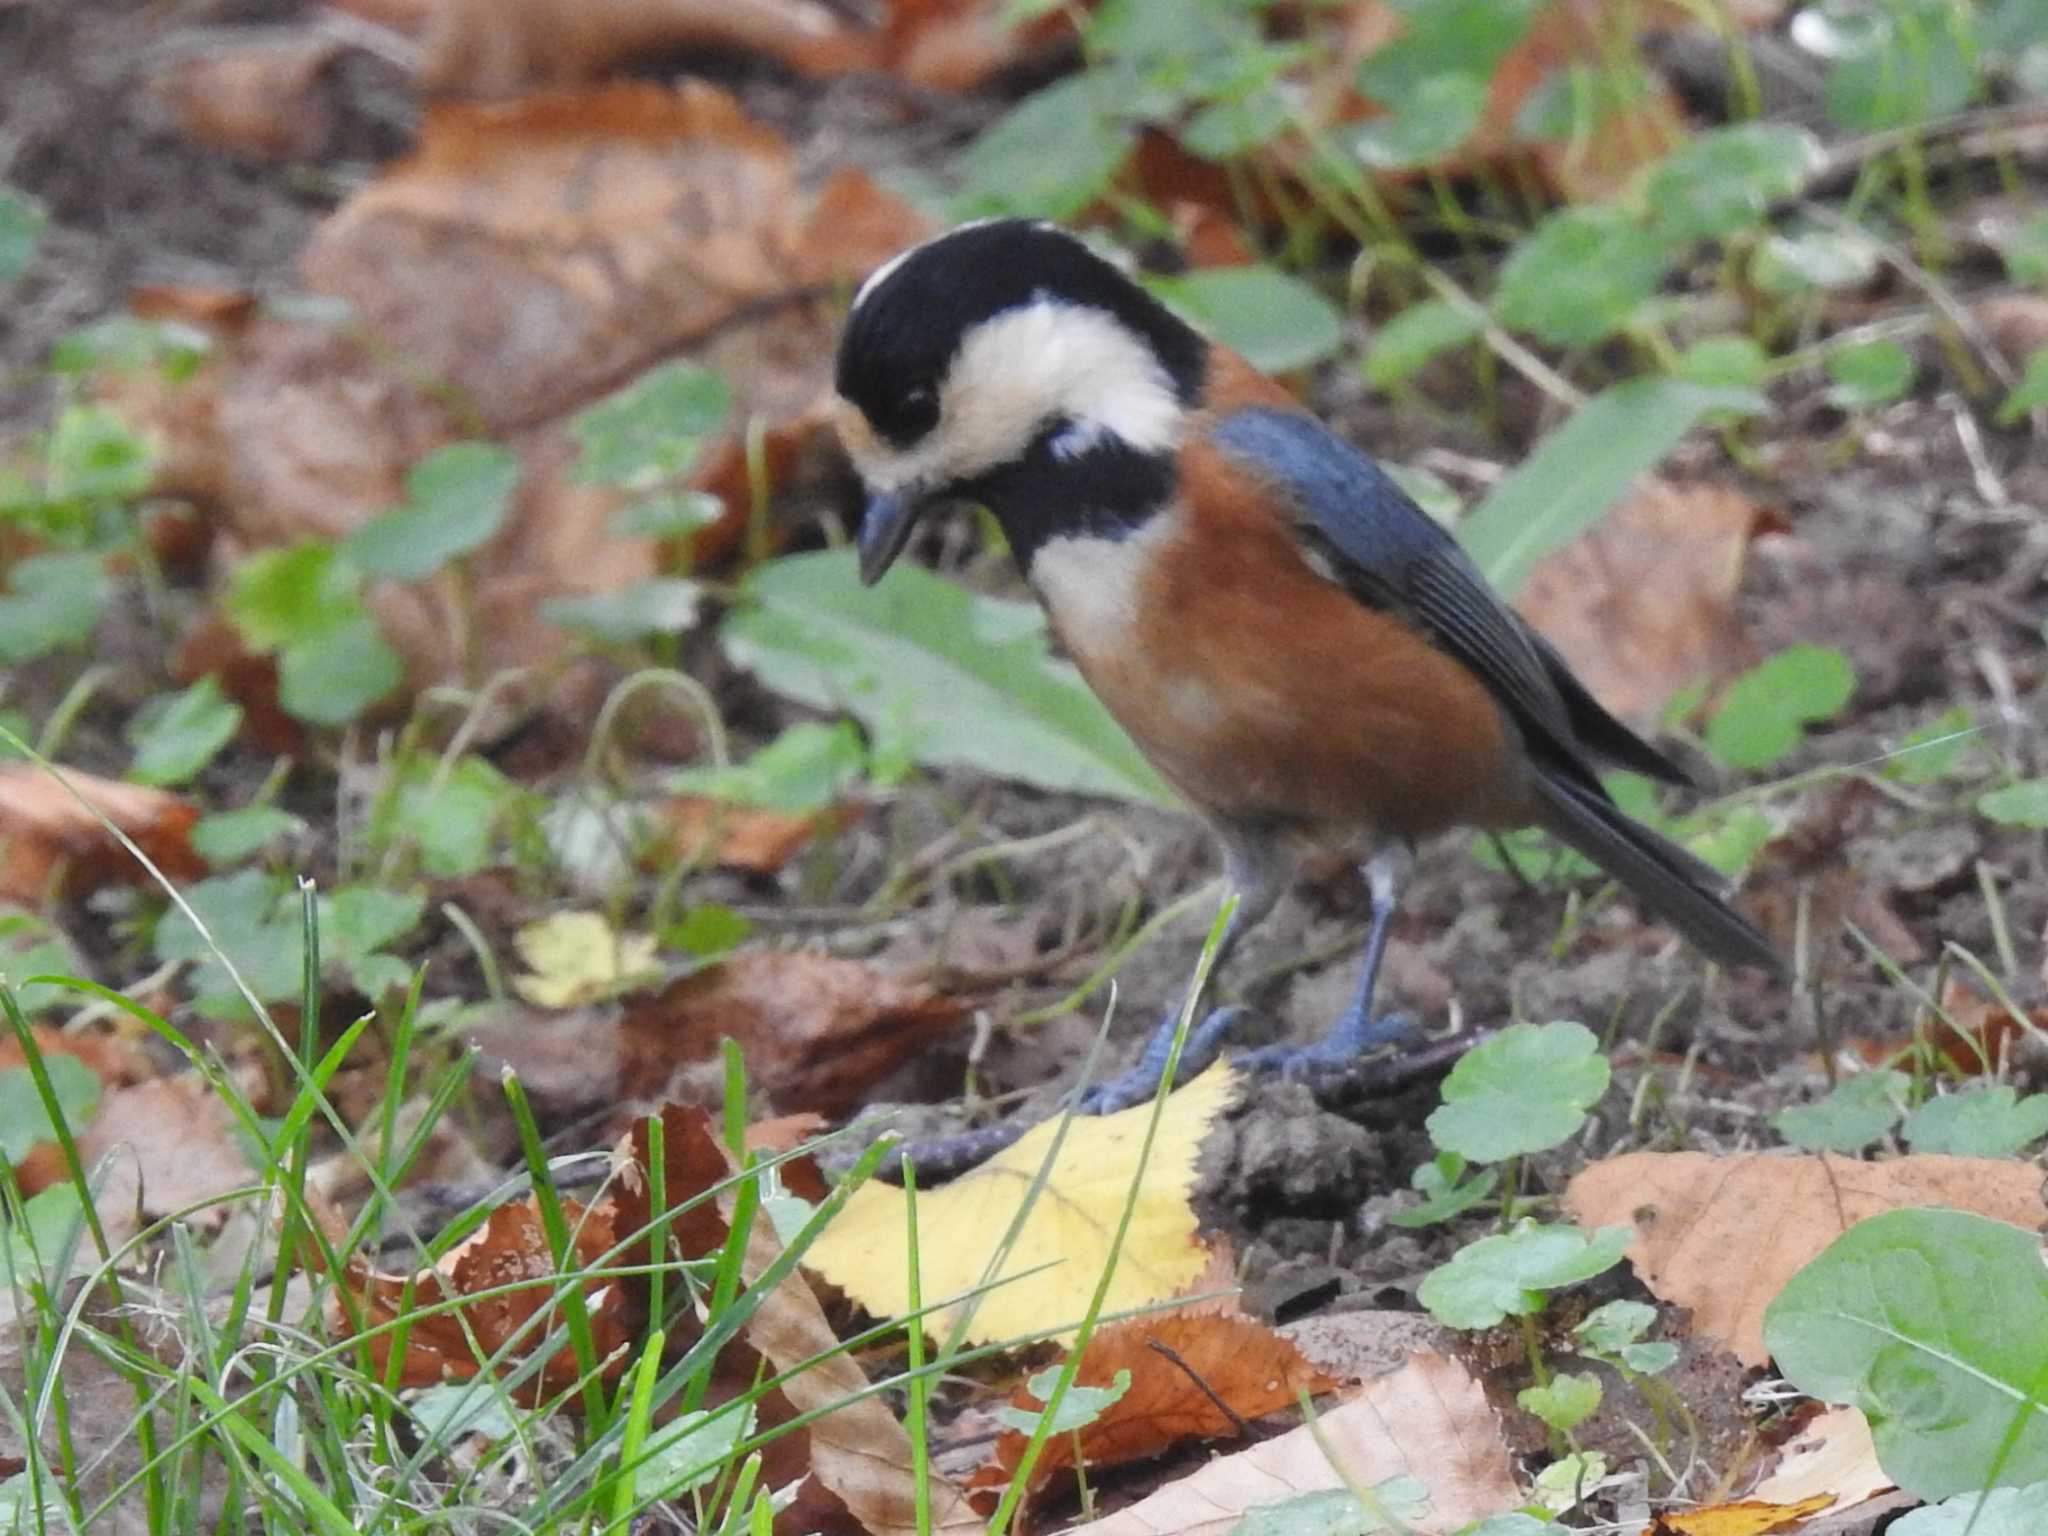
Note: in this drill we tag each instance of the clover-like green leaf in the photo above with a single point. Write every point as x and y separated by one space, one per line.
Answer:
1870 373
1725 180
23 1120
1935 1324
1524 1090
1931 752
1998 1512
1986 1120
2024 804
652 430
2031 393
1734 362
808 767
456 500
1052 155
1849 1117
254 921
1340 1512
1564 1402
1899 63
332 678
1509 1273
1428 124
180 734
51 602
1445 1191
1764 715
1579 276
1080 1407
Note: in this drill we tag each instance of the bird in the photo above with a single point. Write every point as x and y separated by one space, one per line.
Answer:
1307 657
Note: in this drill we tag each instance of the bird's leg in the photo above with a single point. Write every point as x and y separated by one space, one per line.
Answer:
1258 868
1358 1029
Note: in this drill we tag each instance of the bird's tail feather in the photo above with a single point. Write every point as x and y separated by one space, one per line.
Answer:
1682 890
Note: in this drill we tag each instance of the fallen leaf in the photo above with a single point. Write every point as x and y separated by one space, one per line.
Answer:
50 844
578 958
264 100
1751 1517
1983 1031
1722 1235
503 48
1833 1455
503 1278
1429 1420
956 45
1171 1359
1642 605
856 1452
1064 1241
760 841
168 1145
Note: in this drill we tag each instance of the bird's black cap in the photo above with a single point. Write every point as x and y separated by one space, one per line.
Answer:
903 333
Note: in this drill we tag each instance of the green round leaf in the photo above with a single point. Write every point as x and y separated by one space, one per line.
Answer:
1444 37
1734 361
177 736
1990 1120
23 1120
1853 1114
2001 1512
1899 63
1051 156
653 429
2024 804
228 837
1487 1281
1579 277
333 678
51 602
1724 181
1815 258
1764 715
1874 373
1935 1324
456 499
1431 122
280 596
1525 1090
1564 1402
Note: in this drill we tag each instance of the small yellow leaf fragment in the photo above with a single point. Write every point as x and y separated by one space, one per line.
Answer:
1053 1266
578 957
1751 1517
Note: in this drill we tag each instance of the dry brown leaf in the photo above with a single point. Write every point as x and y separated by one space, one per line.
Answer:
264 100
956 45
1833 1455
51 844
623 226
503 48
1751 1517
1642 604
759 841
1429 1420
1171 1358
1983 1031
1722 1235
817 1032
169 1143
510 1250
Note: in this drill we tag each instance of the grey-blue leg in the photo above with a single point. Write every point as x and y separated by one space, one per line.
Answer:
1258 867
1358 1029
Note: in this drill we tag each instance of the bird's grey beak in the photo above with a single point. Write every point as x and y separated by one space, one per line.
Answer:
884 530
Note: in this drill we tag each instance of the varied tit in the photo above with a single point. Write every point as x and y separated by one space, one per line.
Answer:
1299 649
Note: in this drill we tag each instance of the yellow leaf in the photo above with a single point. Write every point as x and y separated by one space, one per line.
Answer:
1749 1518
865 1252
577 957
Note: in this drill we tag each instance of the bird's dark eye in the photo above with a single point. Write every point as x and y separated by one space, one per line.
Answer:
908 415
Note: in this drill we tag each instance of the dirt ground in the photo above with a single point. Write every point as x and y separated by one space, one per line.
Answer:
1894 548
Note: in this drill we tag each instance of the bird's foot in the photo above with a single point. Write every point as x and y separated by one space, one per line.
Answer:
1350 1039
1140 1082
